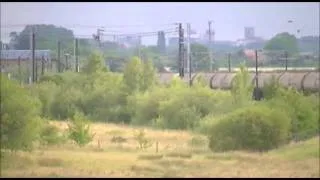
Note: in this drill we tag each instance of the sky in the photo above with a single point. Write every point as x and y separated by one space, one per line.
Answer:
229 18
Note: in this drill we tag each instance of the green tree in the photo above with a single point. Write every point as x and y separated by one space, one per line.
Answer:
94 64
200 57
19 112
79 130
253 128
133 75
46 37
241 87
283 41
149 76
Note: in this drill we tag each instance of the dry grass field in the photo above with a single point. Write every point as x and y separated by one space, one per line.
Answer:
179 154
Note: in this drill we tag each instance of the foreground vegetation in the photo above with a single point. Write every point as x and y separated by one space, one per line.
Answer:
180 154
189 123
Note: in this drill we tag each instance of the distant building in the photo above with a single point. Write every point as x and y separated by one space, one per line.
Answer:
249 33
129 41
251 55
194 38
14 57
250 40
173 41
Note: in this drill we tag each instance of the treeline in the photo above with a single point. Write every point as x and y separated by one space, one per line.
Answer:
230 119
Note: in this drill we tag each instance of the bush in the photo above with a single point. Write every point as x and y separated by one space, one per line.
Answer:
142 140
66 103
79 130
46 92
50 135
177 115
146 105
255 128
103 101
176 106
20 124
304 113
242 87
57 79
271 88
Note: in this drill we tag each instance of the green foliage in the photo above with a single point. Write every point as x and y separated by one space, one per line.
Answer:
142 140
19 116
253 128
197 141
79 130
271 88
46 92
133 75
200 57
94 64
55 78
146 105
283 41
50 135
46 37
199 80
66 102
242 87
149 76
104 100
178 116
176 106
304 113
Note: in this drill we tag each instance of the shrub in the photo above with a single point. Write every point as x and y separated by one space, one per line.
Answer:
57 79
142 140
177 106
20 124
66 102
304 113
197 141
50 135
242 87
79 130
255 128
177 115
46 92
271 88
103 101
146 105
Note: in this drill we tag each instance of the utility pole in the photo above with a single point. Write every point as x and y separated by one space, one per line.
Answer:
256 53
67 64
139 50
286 60
181 52
19 69
58 59
76 55
257 92
229 62
36 69
42 65
188 53
33 55
98 37
210 47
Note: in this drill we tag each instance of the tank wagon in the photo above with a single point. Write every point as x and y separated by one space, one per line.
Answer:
300 80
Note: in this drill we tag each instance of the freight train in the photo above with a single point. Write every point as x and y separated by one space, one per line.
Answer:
300 80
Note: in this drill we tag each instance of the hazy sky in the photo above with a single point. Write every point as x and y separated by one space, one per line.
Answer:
229 18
